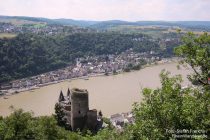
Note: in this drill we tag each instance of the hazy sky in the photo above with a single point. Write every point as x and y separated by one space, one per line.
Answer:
131 10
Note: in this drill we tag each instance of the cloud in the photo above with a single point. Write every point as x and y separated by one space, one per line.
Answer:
132 10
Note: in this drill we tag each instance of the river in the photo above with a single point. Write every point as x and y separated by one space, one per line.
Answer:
111 94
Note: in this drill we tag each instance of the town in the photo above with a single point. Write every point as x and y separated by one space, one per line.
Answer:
85 68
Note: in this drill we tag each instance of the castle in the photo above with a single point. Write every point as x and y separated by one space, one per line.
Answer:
76 113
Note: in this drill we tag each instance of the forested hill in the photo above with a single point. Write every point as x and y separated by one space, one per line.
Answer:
31 54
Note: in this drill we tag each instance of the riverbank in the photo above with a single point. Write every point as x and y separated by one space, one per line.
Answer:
16 91
13 91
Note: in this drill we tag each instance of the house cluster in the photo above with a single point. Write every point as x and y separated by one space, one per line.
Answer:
41 28
114 63
9 28
169 41
119 120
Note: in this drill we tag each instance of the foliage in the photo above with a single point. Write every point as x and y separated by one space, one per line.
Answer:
170 108
196 53
59 114
22 125
137 66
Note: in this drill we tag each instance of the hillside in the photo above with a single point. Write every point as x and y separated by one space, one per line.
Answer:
20 20
32 54
195 25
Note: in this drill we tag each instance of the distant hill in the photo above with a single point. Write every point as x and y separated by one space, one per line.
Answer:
24 20
82 23
201 25
31 20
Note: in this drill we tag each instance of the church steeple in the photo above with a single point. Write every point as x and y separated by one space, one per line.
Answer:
61 97
68 92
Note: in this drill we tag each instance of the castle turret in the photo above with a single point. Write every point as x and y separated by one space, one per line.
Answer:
61 97
68 93
79 108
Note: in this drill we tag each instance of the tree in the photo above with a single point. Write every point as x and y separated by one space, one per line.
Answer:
16 126
59 115
170 108
195 51
23 126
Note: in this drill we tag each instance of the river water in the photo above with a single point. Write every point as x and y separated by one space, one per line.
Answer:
111 94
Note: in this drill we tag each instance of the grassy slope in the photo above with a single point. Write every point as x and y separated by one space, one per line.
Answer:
19 21
7 35
154 31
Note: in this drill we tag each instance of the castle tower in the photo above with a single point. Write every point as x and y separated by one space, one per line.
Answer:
79 108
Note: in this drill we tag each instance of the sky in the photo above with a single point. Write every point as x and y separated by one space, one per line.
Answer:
130 10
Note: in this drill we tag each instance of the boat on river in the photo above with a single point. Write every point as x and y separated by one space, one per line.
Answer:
5 97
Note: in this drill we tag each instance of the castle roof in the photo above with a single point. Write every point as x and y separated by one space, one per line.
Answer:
68 92
61 97
79 93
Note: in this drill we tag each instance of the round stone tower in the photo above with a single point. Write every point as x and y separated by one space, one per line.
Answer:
79 108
